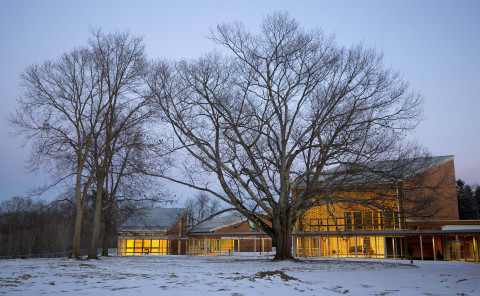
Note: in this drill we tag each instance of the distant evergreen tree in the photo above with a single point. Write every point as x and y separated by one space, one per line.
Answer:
476 196
468 201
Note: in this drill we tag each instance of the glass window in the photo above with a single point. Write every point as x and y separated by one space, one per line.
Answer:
358 221
368 220
348 221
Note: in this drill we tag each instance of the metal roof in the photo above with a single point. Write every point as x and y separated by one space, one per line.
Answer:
380 172
153 219
218 223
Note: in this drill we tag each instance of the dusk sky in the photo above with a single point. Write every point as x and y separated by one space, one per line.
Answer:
434 44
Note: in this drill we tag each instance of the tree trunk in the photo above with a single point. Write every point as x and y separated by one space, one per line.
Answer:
79 204
106 236
92 253
77 231
282 236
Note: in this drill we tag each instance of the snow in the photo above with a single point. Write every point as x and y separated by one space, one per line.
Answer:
198 275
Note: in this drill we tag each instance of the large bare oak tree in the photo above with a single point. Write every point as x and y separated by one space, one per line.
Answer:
272 111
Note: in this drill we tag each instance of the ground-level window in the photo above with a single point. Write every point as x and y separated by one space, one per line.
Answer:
224 245
144 247
341 246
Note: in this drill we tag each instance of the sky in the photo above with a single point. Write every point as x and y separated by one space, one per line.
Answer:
434 44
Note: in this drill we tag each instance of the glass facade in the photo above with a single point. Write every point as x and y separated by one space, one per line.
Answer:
341 246
352 221
213 246
467 248
143 246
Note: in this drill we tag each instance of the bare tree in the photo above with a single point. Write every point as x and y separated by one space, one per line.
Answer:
276 111
30 226
59 112
82 110
122 65
126 188
201 207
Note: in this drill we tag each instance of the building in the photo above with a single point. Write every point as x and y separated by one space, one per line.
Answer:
154 231
414 204
228 235
384 208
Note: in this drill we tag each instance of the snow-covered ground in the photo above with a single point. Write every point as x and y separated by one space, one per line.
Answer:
195 275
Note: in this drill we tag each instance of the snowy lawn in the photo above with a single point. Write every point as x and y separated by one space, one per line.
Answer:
191 275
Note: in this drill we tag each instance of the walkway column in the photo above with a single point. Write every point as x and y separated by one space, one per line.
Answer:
263 247
458 247
255 246
320 246
394 248
328 246
338 248
220 248
205 246
356 254
421 247
434 249
293 246
475 251
311 246
385 247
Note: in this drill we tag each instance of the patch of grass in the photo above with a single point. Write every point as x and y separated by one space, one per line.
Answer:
25 276
338 289
280 273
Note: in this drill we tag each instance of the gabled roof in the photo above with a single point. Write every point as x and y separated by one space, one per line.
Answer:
153 219
218 223
380 172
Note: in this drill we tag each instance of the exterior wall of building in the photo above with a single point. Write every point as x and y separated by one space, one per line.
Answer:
427 197
179 229
435 192
146 243
438 224
240 227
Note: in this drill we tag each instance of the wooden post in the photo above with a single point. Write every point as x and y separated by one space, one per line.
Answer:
205 246
255 246
434 249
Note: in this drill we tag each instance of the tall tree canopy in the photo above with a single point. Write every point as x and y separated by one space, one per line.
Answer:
275 111
84 115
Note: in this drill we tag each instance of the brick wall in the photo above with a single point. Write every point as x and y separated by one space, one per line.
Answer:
432 194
